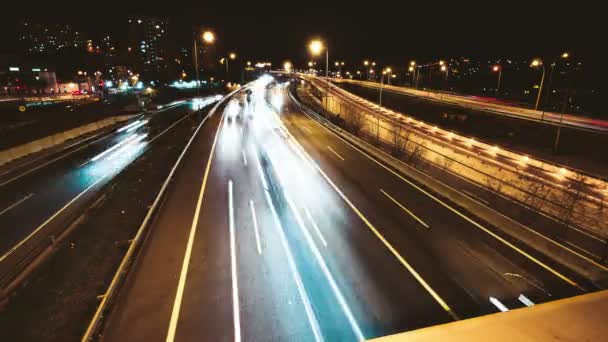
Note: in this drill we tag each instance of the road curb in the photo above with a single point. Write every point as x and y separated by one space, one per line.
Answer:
583 266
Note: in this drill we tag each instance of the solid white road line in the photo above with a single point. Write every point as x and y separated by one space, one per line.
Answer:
244 158
235 280
582 249
15 247
332 282
464 216
188 253
314 225
336 153
15 204
307 130
310 314
404 209
300 150
52 161
475 197
255 228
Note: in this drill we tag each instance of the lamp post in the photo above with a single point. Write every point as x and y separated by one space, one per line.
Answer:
539 63
497 68
227 59
209 38
412 69
444 68
564 55
316 47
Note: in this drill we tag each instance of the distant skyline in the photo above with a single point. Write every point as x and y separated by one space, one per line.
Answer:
387 33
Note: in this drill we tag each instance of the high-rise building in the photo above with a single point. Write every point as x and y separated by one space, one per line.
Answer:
37 38
148 42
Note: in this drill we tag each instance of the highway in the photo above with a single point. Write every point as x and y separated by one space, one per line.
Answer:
41 195
496 107
277 229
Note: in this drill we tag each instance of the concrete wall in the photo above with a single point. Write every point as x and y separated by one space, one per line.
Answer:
57 139
544 194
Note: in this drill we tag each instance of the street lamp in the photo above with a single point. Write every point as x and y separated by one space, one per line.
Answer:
287 66
564 55
209 38
446 69
535 64
497 68
316 47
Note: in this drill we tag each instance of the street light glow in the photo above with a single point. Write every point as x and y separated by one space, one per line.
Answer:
565 55
496 68
412 63
232 55
443 67
410 69
441 62
536 62
287 66
316 46
208 37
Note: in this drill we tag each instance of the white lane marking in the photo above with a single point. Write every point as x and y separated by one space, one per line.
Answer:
498 304
235 280
582 249
525 300
307 130
15 247
332 282
476 197
336 153
15 204
474 223
405 209
34 160
54 160
300 150
314 225
244 158
310 314
255 228
62 209
184 271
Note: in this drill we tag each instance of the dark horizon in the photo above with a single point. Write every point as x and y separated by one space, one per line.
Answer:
389 37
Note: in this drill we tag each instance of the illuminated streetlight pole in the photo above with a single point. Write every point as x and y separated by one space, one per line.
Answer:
209 38
497 68
316 47
539 63
564 55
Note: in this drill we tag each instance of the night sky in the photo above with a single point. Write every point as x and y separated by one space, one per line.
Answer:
387 32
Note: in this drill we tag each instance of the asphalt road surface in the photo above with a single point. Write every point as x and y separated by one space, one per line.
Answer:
37 195
276 229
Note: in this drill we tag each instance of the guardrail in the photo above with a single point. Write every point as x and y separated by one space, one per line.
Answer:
122 270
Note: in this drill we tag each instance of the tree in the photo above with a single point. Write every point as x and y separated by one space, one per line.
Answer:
568 200
356 121
400 137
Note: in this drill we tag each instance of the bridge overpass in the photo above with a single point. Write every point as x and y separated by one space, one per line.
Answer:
492 106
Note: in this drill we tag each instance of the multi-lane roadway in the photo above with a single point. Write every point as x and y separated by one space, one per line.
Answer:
493 106
41 195
275 228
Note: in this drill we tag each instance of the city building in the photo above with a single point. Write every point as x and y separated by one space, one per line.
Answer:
147 43
38 38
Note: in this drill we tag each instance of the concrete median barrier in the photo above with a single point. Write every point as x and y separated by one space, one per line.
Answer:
38 145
